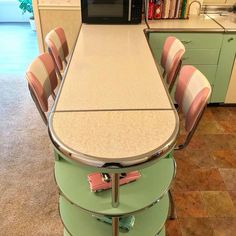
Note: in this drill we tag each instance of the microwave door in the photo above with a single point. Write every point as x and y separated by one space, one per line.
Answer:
106 11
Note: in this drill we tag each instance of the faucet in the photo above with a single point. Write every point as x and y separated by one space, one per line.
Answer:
188 10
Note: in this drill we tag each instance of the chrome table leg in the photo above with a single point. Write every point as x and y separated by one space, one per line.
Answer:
115 226
115 189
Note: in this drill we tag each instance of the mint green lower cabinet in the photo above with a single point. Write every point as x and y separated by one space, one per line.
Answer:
190 40
224 69
212 53
194 56
201 57
209 71
81 223
202 50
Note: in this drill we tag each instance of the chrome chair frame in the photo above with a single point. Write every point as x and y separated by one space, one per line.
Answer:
56 67
42 114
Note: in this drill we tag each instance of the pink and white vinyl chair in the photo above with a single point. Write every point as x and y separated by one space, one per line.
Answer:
42 81
172 53
58 48
192 93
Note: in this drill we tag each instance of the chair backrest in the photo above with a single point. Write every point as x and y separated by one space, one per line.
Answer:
42 81
57 45
172 53
192 93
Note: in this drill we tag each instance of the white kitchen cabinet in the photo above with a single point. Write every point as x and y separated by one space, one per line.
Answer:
231 93
53 13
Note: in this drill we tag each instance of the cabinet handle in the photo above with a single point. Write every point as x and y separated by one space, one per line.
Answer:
186 41
230 39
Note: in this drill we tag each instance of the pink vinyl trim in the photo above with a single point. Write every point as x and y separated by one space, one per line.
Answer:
62 37
184 77
61 34
196 108
55 54
174 66
166 48
38 90
60 48
50 67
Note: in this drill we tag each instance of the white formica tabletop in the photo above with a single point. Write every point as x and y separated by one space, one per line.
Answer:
112 68
112 105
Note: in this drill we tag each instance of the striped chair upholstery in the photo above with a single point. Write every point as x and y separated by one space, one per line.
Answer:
172 53
192 93
57 45
42 81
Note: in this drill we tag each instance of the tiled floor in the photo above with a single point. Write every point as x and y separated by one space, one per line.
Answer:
205 186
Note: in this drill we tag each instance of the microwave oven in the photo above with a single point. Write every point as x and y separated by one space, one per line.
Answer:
111 11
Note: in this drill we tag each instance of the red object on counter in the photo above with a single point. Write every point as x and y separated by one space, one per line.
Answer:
151 6
158 9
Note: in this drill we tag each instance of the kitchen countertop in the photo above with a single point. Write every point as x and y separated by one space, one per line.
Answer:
228 22
98 48
202 23
112 105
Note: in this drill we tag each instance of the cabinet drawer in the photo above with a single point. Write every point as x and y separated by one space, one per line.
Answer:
201 57
190 40
194 56
224 69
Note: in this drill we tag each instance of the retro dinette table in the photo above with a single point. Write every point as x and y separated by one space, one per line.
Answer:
113 114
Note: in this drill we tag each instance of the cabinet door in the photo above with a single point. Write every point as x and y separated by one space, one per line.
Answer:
190 40
231 93
224 68
69 20
194 56
209 71
202 50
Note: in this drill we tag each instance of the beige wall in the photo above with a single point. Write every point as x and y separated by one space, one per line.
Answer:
53 13
60 2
